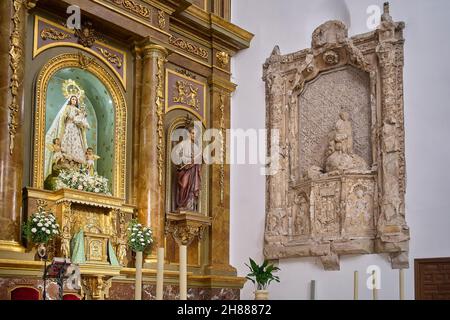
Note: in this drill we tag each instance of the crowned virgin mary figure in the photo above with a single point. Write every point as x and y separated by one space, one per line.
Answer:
67 134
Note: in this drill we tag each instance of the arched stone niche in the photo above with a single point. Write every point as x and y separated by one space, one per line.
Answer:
338 110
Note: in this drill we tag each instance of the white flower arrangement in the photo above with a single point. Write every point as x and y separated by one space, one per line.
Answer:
41 227
83 181
140 238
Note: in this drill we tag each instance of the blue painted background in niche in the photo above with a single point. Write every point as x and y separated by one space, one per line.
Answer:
100 110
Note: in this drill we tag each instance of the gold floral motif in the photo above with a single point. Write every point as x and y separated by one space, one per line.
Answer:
161 19
16 54
111 57
223 58
160 113
53 34
84 61
189 47
134 7
222 145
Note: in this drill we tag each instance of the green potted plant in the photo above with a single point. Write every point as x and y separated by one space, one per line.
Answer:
262 276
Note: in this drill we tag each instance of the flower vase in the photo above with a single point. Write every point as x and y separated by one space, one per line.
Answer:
138 283
261 295
41 251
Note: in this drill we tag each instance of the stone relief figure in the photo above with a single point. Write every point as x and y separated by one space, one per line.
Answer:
391 207
301 216
340 150
193 100
181 91
326 219
189 160
359 210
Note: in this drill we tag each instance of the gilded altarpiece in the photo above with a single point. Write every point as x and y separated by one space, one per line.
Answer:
103 100
338 110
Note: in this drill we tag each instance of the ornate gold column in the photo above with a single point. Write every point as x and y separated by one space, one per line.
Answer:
150 193
219 260
12 40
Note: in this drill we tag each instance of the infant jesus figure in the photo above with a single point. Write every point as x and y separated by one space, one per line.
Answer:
90 160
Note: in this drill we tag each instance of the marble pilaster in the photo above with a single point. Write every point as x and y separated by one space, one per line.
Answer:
150 192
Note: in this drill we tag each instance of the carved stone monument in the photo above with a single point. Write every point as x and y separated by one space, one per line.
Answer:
338 109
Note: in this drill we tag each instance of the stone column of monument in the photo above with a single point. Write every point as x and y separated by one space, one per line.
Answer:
220 90
12 52
277 175
150 192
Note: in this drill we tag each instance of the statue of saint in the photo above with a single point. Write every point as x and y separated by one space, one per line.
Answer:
188 176
340 156
344 133
68 130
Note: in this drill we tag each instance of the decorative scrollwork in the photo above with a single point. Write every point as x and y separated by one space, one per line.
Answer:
134 7
189 47
222 145
16 55
160 114
161 19
111 57
53 34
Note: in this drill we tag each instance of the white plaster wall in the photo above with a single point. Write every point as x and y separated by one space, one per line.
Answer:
289 24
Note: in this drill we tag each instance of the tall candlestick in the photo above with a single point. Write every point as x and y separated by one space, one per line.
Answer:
355 286
374 286
183 272
160 275
402 284
313 289
138 283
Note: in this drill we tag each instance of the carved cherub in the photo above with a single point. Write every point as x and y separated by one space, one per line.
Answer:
57 152
193 100
181 90
91 157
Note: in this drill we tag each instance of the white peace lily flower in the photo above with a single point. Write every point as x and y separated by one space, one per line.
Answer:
39 224
139 225
35 220
43 228
55 231
132 240
47 231
34 230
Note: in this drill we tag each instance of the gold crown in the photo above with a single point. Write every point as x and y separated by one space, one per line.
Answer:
71 88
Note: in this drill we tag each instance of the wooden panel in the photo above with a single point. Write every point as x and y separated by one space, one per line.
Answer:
432 279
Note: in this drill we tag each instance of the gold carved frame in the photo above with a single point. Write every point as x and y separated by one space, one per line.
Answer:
91 65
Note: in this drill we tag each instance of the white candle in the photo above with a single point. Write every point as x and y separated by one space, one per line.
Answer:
183 272
138 283
374 286
313 289
355 286
160 275
402 284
